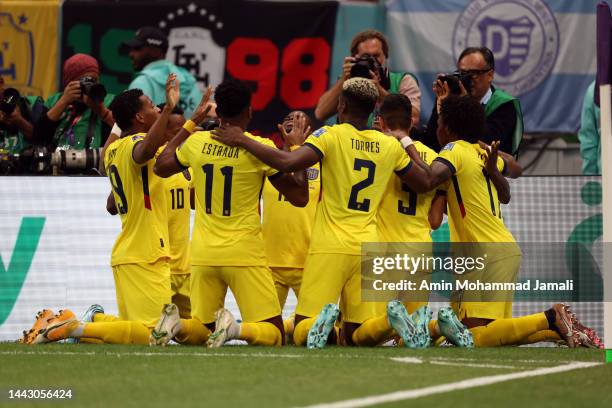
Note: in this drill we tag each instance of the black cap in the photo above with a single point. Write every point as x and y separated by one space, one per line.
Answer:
147 36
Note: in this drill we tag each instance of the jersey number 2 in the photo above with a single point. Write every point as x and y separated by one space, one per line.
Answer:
364 205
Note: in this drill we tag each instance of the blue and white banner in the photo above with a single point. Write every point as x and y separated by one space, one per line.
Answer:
544 50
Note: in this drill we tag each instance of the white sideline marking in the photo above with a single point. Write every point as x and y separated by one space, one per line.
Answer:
446 362
409 360
497 359
449 363
454 386
142 354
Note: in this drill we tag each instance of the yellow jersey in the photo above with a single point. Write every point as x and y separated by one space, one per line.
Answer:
404 215
228 183
178 189
356 166
473 205
286 228
141 202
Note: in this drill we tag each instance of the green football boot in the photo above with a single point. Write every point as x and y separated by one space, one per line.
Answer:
421 317
453 329
402 323
320 330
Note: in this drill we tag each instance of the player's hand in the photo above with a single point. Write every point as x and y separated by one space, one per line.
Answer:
397 133
346 67
72 92
298 132
376 125
203 109
173 93
228 134
491 153
442 91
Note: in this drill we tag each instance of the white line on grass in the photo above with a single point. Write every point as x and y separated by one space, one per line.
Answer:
449 363
409 360
454 386
413 360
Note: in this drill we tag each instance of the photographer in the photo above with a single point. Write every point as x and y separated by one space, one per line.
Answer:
17 115
476 71
77 118
366 44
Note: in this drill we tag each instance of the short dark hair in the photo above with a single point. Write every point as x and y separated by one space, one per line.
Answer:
396 110
486 53
463 116
176 111
232 98
360 96
125 106
368 35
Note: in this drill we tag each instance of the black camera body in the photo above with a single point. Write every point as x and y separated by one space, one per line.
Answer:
364 64
210 124
453 80
91 88
10 99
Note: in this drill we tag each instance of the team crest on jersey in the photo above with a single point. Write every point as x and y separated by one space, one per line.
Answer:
312 173
448 146
319 132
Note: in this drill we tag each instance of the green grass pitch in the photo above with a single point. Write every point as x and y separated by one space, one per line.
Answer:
241 376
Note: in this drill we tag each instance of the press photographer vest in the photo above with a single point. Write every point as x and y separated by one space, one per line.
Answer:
395 79
498 98
14 143
87 128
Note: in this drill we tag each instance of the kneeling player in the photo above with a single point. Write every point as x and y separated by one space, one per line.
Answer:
227 245
140 254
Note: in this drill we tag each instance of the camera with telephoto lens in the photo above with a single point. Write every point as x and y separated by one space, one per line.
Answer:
364 64
10 99
70 159
91 88
453 80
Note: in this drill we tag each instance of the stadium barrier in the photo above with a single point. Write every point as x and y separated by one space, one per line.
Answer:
56 238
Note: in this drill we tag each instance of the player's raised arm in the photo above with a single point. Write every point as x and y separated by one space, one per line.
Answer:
145 150
512 169
420 177
293 186
499 181
167 164
287 162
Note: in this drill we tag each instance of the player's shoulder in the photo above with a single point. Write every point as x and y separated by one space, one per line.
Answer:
426 152
200 135
324 131
262 140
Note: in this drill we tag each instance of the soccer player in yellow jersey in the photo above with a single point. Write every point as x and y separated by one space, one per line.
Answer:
140 255
286 228
404 217
227 245
475 185
356 165
179 196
